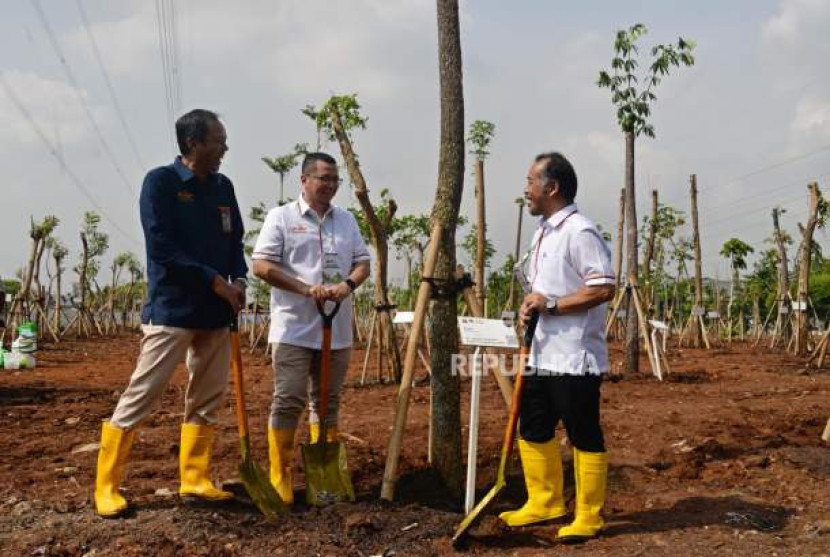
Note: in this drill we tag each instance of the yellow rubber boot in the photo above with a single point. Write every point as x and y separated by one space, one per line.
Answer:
281 455
112 457
194 462
591 474
542 465
314 433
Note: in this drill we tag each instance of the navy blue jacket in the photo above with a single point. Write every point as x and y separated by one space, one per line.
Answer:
193 232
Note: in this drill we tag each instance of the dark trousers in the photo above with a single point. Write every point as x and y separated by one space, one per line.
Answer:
574 399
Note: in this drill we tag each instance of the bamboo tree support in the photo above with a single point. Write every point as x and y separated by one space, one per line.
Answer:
368 349
390 473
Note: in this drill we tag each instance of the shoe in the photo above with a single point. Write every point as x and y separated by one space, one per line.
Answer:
194 462
542 465
591 474
281 455
112 457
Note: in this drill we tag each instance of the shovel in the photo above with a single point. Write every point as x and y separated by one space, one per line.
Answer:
254 478
327 475
507 446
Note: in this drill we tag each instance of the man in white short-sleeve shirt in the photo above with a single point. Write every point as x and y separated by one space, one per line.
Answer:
569 272
309 251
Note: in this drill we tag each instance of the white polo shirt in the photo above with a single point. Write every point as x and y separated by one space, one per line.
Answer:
568 253
299 242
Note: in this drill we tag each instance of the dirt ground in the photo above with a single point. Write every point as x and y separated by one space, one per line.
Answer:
723 458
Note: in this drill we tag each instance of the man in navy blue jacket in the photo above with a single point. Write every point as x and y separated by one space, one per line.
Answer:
193 234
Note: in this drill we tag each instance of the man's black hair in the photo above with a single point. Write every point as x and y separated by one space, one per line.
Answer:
194 126
558 169
311 159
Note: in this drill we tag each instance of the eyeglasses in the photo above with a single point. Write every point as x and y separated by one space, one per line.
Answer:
327 179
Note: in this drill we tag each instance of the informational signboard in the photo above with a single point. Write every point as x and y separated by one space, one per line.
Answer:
783 310
698 312
404 318
713 315
489 333
622 314
659 325
799 306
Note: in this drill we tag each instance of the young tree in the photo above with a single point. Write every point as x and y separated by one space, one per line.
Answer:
446 386
480 135
94 244
472 244
633 112
735 251
819 212
284 164
337 118
22 305
58 252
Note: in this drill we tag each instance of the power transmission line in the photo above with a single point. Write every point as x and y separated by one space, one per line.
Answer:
59 157
108 81
74 82
168 48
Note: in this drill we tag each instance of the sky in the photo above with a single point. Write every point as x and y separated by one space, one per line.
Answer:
751 119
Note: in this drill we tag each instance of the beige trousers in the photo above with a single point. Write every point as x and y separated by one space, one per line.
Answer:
296 375
207 354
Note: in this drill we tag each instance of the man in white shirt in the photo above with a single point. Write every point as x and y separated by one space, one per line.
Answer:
571 279
309 251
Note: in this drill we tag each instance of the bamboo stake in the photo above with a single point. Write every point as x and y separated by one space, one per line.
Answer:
390 473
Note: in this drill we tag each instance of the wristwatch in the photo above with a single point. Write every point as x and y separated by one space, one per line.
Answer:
352 285
550 305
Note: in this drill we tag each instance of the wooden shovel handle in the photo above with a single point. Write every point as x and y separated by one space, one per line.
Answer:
236 369
518 387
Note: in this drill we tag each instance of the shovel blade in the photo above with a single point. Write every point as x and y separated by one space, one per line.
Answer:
327 474
469 521
260 490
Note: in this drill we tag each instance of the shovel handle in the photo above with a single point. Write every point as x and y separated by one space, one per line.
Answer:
236 369
518 388
325 365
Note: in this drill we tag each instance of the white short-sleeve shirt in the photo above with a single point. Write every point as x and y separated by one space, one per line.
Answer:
567 253
296 239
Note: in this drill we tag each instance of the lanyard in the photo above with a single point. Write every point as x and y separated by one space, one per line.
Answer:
536 257
320 224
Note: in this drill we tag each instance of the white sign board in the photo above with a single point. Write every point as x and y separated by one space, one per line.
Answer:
622 314
659 325
800 306
509 317
713 315
783 310
698 312
404 318
489 333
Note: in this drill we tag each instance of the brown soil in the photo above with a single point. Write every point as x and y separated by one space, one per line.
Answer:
723 458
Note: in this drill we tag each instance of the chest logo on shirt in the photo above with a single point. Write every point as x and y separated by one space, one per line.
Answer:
299 228
185 196
225 214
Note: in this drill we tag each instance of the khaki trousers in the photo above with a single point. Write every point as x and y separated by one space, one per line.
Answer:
207 354
296 375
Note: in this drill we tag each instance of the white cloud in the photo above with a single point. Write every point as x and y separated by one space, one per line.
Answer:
52 104
788 23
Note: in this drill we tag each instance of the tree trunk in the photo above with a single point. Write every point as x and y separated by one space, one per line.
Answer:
697 332
58 303
783 277
481 240
652 236
618 244
632 332
511 304
804 261
446 396
377 232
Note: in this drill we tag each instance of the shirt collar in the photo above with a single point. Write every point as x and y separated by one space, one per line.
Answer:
184 173
305 208
560 216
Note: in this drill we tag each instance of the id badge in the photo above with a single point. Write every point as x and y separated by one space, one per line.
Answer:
331 269
225 214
